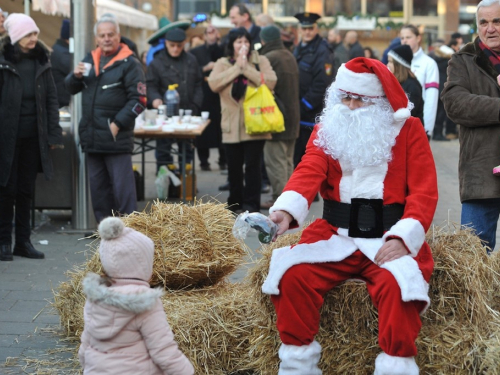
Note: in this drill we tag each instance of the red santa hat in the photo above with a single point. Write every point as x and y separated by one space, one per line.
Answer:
370 78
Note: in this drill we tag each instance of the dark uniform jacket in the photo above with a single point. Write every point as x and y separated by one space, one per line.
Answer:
315 71
287 87
116 94
60 58
471 97
212 135
49 131
165 70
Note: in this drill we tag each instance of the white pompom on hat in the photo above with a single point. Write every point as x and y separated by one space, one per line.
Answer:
18 25
124 252
369 77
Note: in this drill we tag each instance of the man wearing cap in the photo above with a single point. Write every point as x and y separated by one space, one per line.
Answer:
61 64
315 73
174 66
111 80
278 152
374 168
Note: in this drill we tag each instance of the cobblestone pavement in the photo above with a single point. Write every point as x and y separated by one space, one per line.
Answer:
27 322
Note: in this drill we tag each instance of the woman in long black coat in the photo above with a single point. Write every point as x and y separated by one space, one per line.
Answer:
29 128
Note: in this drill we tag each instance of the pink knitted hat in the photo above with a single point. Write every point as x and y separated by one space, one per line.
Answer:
19 25
125 253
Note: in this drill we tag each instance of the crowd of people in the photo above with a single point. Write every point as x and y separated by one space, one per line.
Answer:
357 132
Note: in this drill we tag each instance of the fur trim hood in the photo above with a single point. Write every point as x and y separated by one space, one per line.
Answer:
8 50
135 299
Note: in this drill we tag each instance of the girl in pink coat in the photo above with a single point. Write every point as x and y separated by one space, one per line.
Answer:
126 330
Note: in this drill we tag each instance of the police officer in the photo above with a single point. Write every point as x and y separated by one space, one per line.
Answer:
315 74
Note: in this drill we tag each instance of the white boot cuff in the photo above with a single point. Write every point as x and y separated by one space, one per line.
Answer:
389 365
300 360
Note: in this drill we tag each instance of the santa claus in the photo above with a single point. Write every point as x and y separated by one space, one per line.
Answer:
372 164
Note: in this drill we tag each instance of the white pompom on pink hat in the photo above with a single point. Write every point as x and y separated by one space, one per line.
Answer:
370 78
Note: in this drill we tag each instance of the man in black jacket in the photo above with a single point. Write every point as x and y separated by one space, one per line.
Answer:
315 74
61 64
240 17
174 66
111 80
207 55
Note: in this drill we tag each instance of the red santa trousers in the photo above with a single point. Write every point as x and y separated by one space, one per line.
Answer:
302 291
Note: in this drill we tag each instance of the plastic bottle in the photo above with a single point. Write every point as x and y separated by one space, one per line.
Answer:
172 99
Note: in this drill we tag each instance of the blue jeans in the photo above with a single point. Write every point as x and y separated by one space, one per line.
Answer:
482 215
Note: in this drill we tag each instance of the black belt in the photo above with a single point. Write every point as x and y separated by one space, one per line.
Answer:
365 218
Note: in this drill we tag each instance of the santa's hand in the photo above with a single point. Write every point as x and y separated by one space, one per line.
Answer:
283 219
391 250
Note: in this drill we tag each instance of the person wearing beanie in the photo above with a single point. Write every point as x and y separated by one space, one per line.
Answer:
278 151
112 83
373 166
170 66
123 316
30 128
61 63
399 63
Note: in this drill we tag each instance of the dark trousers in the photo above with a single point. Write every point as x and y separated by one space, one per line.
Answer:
204 154
301 143
443 122
112 184
164 152
245 195
19 191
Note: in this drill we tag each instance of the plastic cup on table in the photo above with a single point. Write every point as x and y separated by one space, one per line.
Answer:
205 115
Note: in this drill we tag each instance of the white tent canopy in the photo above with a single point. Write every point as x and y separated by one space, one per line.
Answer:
126 15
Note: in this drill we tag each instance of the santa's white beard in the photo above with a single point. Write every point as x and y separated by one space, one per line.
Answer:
361 137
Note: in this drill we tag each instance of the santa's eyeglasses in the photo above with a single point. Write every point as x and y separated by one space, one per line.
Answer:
346 99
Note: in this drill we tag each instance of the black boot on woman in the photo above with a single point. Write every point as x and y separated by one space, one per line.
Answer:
27 250
5 252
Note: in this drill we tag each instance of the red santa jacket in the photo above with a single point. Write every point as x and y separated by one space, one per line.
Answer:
409 179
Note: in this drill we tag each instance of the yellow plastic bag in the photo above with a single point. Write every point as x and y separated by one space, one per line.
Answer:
262 114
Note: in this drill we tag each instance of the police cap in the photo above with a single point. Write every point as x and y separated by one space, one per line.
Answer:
307 19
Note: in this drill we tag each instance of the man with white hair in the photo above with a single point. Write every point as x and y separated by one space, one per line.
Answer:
471 98
113 89
372 164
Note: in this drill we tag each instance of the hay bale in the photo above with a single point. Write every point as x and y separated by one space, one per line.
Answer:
459 333
211 326
194 244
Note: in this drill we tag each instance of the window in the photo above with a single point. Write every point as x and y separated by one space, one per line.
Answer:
333 7
385 8
425 7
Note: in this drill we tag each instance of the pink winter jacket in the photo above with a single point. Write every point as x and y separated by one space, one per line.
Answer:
126 331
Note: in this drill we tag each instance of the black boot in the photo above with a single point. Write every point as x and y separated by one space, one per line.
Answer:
6 252
26 249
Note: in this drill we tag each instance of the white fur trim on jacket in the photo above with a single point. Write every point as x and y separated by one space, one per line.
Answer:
386 364
300 360
136 303
366 84
338 247
410 231
293 203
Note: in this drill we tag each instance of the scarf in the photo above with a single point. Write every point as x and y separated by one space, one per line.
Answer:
492 56
239 85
